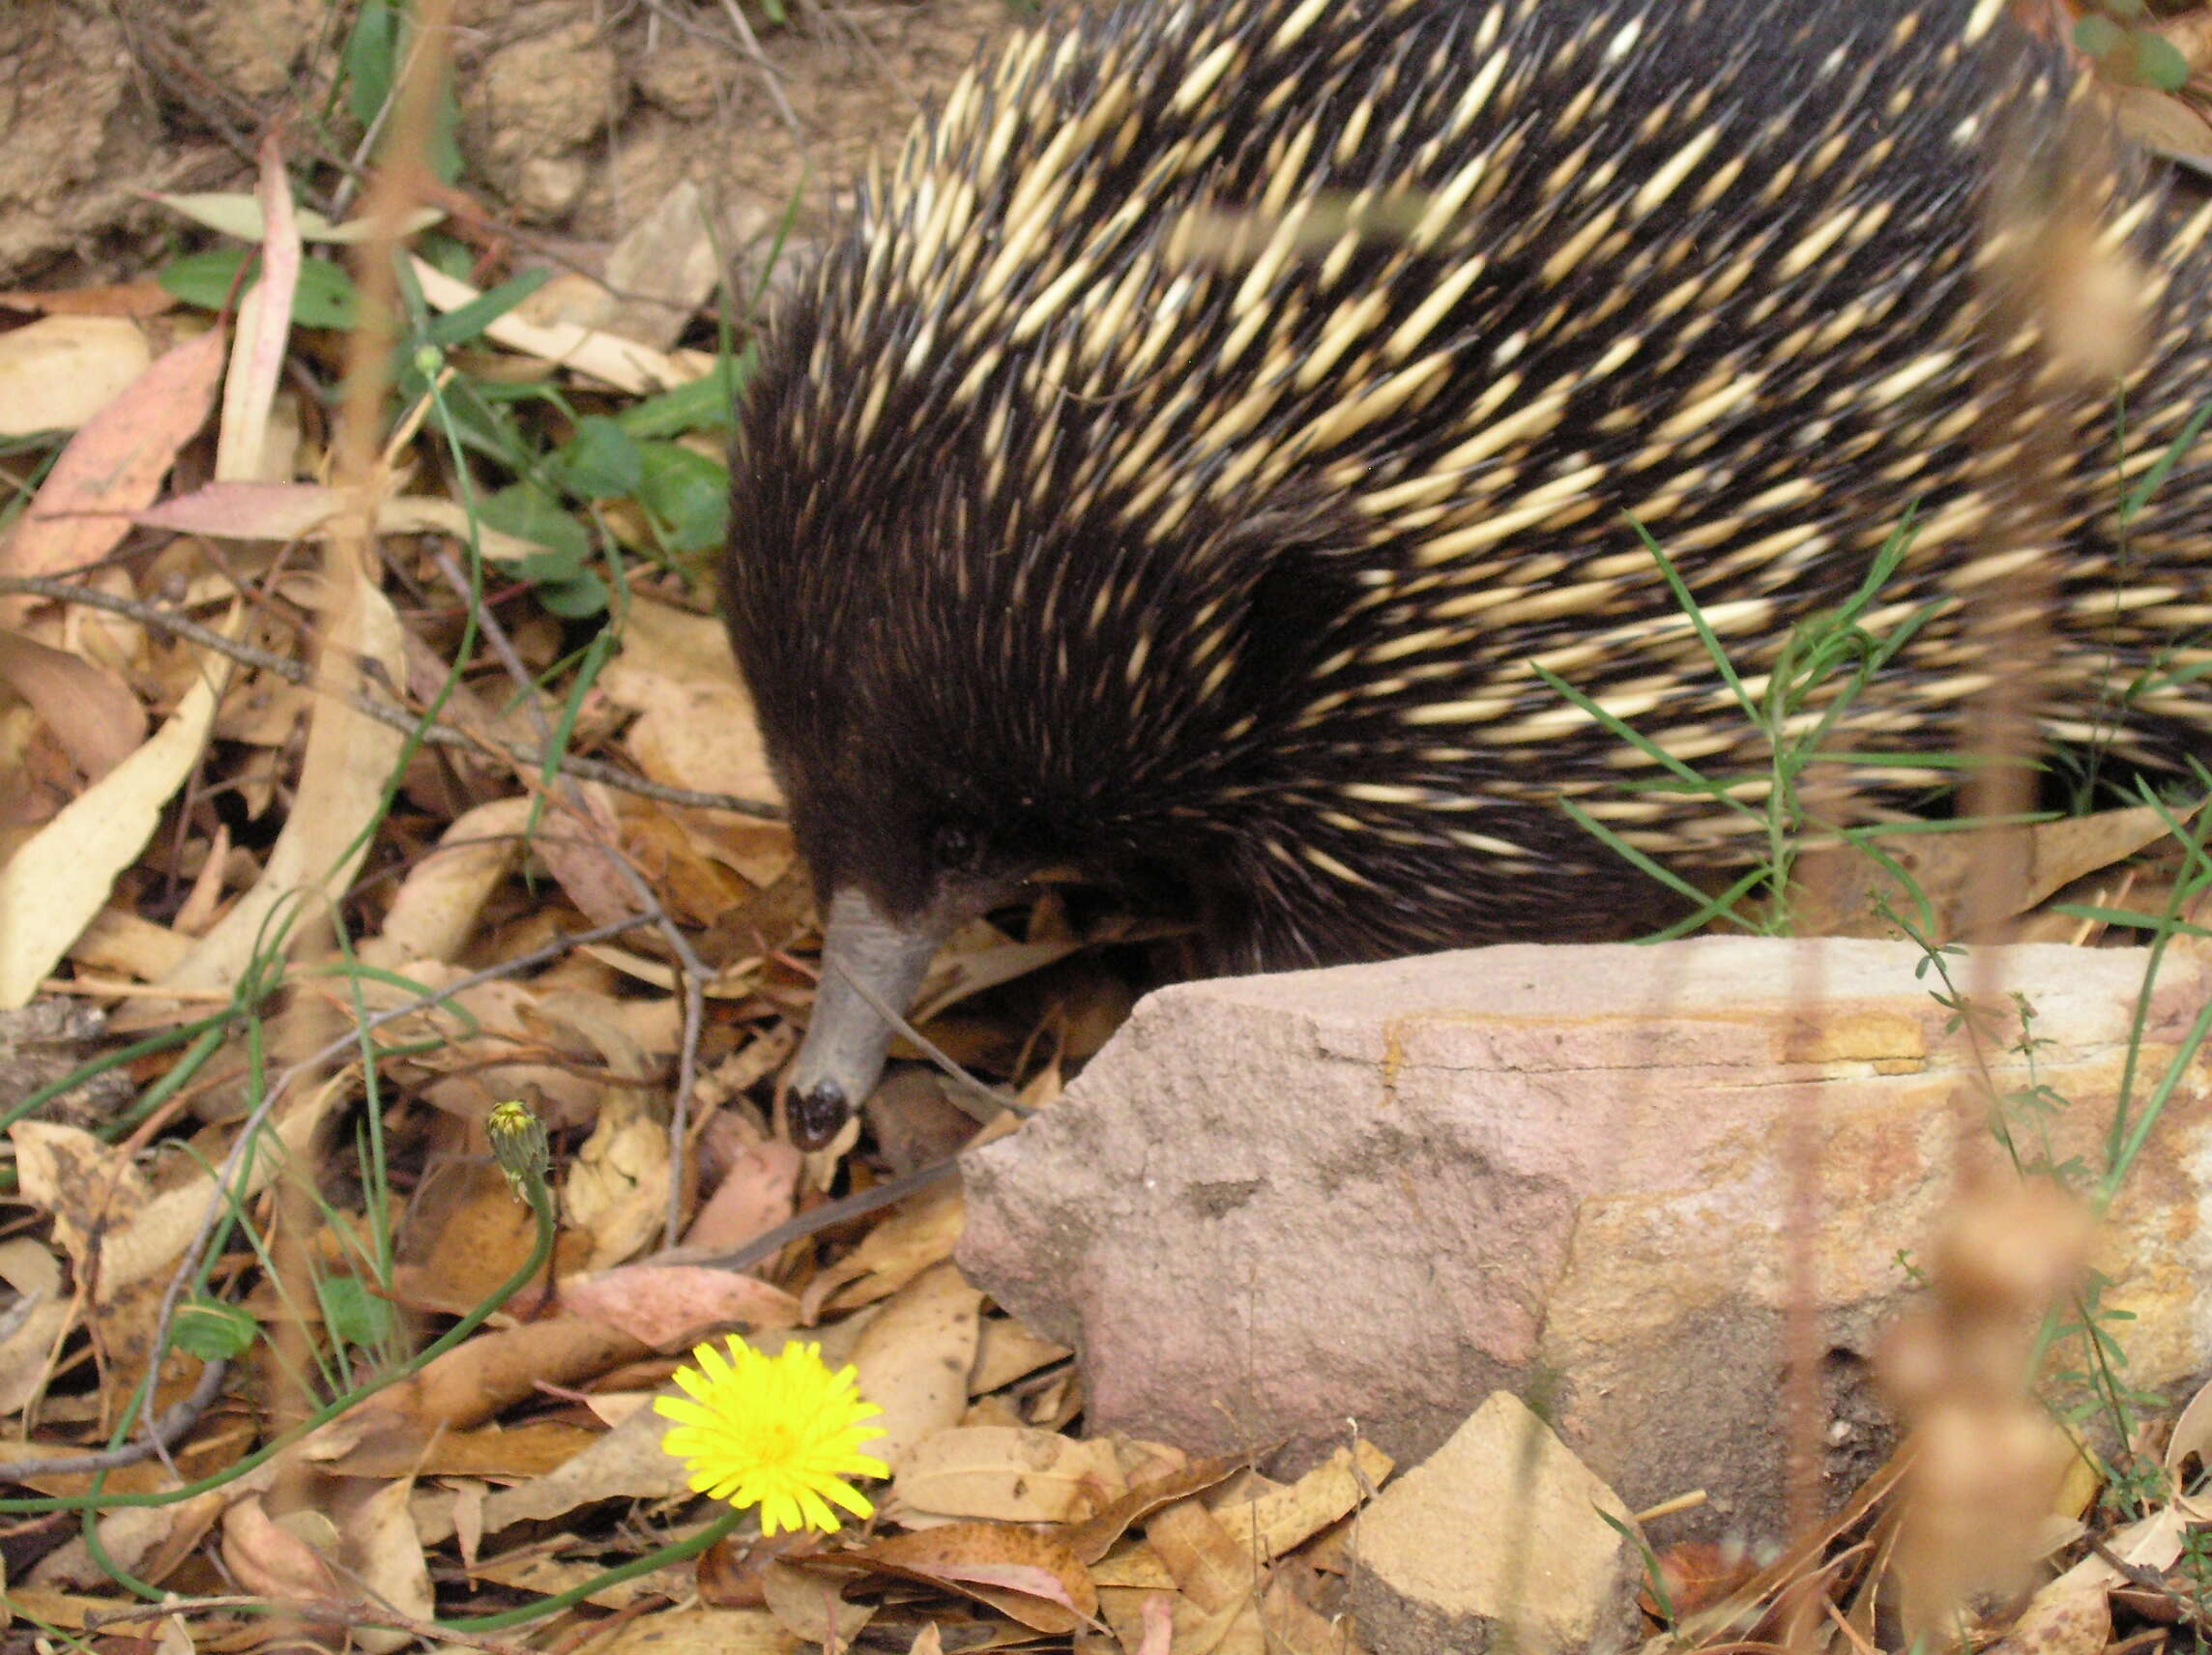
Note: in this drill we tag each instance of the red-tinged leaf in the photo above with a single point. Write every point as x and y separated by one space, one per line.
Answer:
670 1306
248 510
1018 1572
265 323
113 467
137 300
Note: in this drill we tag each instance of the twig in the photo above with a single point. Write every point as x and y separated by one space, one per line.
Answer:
171 1426
831 1213
520 754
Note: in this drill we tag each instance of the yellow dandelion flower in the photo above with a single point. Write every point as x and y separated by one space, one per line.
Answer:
782 1433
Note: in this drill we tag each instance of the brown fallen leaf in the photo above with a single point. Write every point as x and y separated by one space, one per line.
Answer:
1841 886
2067 1617
381 1554
756 1193
1010 1474
913 1359
918 1236
56 374
397 1448
807 1604
137 300
349 756
1282 1518
1212 1566
1019 1572
93 712
60 879
271 1559
248 510
493 1370
698 1632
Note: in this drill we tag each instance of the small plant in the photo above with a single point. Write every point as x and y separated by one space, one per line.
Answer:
1826 665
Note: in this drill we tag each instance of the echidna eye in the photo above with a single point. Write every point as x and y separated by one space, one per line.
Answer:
955 846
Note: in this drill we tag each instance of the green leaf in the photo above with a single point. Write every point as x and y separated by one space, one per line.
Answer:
325 296
370 59
214 1331
689 493
353 1314
577 599
2159 63
2095 37
707 404
457 326
602 461
528 512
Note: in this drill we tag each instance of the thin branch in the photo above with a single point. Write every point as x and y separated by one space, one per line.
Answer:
166 1433
521 755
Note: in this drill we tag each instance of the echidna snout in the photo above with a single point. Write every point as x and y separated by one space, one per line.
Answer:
1058 536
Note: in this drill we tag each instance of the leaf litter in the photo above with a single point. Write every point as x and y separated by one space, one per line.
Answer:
504 808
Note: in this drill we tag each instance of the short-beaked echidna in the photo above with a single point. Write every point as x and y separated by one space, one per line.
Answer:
1060 540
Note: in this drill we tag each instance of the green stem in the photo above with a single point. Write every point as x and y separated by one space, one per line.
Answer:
93 1501
574 1596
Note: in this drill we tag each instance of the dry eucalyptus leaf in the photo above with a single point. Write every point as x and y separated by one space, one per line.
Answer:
1010 1474
58 372
699 1632
57 882
1019 1572
671 1307
913 1359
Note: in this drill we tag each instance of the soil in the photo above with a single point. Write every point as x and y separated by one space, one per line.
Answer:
577 117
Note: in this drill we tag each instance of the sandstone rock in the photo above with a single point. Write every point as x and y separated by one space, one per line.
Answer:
1383 1192
1495 1542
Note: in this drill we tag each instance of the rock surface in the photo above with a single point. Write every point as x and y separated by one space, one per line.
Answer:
1495 1542
1383 1192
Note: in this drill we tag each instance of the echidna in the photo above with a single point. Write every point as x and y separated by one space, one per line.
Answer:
1058 540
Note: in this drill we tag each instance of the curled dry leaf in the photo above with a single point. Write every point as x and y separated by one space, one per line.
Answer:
271 1560
1021 1572
807 1603
436 909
